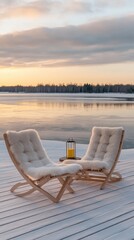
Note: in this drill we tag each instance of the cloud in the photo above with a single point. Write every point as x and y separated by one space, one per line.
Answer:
113 3
76 6
21 9
101 42
36 8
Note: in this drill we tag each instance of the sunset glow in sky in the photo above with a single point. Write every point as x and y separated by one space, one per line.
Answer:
66 41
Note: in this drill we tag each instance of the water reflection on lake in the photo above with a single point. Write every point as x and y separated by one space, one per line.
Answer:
59 117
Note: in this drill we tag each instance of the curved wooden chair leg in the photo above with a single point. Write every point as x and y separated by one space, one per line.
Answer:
17 185
113 177
104 183
56 199
64 187
69 188
38 186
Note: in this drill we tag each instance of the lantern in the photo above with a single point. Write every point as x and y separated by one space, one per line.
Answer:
70 148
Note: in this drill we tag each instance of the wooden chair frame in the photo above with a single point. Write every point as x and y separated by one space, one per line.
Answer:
65 180
103 175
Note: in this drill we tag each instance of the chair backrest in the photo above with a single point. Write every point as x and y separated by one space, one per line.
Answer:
105 144
25 149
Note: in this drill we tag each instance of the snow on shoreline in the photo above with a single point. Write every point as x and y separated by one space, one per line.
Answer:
74 95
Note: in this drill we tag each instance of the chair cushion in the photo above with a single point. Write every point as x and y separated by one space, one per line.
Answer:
104 144
103 148
32 158
89 164
52 169
27 148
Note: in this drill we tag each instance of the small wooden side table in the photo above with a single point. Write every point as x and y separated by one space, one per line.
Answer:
61 159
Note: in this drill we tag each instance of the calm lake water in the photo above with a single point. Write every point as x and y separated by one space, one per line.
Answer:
60 116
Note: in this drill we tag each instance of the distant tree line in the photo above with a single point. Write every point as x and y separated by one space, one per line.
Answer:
70 88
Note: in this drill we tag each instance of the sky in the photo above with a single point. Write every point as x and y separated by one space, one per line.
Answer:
66 41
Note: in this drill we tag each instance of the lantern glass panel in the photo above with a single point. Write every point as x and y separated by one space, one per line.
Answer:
70 149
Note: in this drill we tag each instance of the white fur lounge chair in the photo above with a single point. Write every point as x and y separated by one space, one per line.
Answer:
101 156
32 162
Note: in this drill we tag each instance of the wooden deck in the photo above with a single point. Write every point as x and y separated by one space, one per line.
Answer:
87 214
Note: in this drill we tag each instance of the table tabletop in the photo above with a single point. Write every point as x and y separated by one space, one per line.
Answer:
61 159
